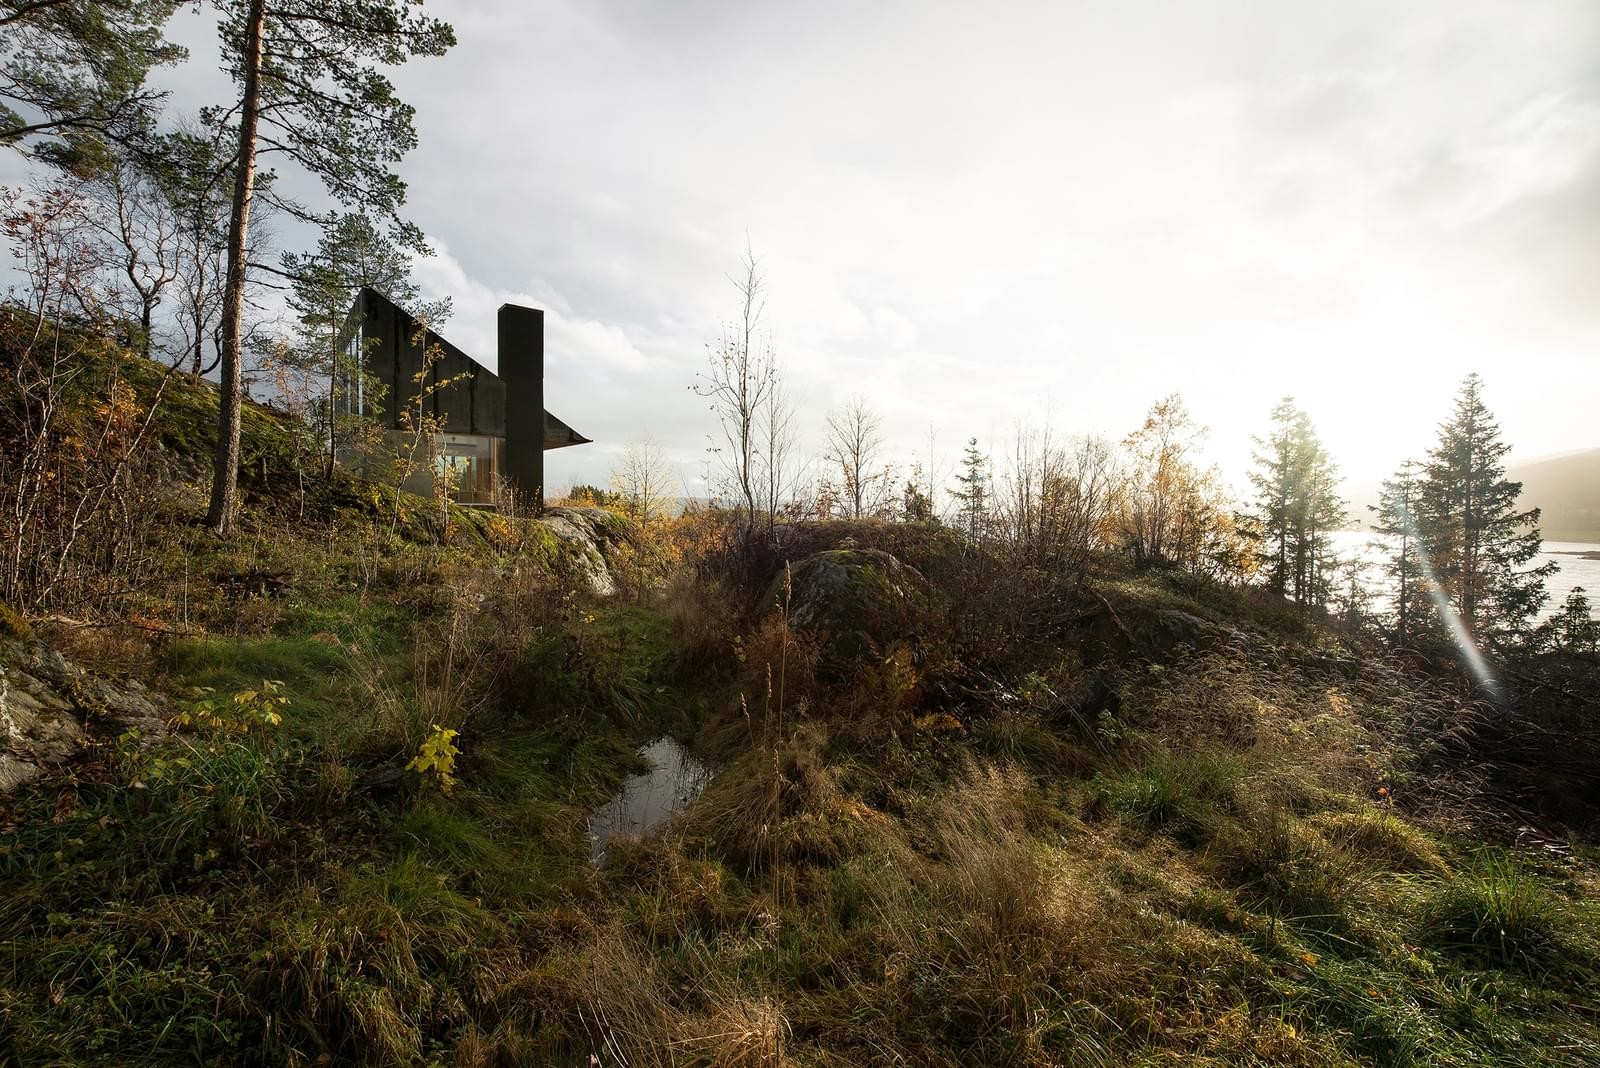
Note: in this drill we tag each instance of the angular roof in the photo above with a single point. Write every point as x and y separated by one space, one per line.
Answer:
557 434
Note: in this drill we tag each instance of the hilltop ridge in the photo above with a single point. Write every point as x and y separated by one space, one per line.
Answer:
965 809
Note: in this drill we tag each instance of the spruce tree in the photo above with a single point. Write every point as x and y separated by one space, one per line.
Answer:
1320 512
1275 481
1478 543
972 491
1297 506
1573 628
1396 521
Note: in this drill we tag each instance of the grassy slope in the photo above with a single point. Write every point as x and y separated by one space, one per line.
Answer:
1205 872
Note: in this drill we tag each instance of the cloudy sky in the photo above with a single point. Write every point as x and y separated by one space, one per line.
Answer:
975 214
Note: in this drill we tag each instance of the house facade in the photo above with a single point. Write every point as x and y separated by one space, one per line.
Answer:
493 427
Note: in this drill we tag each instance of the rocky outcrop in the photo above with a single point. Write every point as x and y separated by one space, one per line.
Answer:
1159 633
855 599
589 539
50 708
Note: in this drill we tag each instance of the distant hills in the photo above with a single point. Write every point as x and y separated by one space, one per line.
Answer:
1566 487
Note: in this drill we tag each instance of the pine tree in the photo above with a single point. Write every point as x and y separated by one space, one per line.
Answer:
353 253
1396 522
1297 506
312 88
972 491
1477 541
75 70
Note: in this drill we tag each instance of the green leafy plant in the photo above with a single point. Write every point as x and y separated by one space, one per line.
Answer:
436 758
247 710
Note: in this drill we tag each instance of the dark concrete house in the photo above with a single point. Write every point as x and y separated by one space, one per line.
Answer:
495 428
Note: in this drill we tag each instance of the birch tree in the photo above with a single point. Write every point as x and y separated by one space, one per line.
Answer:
739 380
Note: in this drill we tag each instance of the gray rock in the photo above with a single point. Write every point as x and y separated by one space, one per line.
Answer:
591 537
854 598
50 708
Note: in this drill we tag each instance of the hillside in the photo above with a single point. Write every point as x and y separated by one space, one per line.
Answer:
963 811
1567 489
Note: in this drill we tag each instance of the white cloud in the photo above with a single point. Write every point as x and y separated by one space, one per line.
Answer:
963 216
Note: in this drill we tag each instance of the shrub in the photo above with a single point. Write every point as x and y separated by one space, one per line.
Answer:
700 618
260 710
775 655
435 761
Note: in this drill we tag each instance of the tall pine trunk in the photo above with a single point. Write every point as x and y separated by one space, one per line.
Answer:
225 482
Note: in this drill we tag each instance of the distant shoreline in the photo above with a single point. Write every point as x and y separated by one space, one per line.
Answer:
1582 554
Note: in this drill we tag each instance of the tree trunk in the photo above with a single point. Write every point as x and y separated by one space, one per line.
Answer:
225 483
333 409
199 350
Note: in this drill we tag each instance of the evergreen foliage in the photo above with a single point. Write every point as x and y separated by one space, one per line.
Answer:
1573 628
915 505
313 88
972 491
74 72
1396 522
352 254
1478 543
1298 506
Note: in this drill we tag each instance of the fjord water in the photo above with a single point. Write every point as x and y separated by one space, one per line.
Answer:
646 800
1577 562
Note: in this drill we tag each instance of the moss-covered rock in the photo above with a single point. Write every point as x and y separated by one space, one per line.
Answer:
586 541
12 625
856 599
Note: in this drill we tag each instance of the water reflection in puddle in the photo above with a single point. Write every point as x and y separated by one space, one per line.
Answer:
675 778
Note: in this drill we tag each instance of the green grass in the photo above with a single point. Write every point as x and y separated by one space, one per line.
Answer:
1495 911
1176 792
1201 878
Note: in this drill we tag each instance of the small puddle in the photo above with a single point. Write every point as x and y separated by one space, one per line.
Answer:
675 778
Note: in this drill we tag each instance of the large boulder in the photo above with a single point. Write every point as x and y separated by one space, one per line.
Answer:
49 706
588 540
855 600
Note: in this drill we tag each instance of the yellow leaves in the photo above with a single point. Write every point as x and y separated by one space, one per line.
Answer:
1310 959
501 534
938 723
244 711
1338 702
436 756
